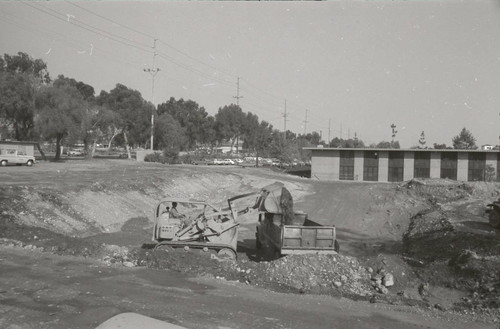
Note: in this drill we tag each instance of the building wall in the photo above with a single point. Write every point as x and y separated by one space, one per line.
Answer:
435 165
358 165
325 165
462 166
409 166
383 166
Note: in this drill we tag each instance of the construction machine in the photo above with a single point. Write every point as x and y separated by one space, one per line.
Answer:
202 225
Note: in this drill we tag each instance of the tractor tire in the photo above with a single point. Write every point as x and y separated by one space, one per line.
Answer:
227 253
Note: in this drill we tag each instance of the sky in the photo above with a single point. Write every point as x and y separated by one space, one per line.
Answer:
341 67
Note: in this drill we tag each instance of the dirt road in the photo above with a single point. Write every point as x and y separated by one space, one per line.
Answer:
41 290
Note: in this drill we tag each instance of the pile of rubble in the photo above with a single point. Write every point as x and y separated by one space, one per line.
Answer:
319 273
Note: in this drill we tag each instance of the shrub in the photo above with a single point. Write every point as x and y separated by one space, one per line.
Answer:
155 157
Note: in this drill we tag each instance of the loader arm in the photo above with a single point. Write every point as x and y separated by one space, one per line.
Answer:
268 199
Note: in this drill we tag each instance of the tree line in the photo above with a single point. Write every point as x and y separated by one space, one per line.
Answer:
35 107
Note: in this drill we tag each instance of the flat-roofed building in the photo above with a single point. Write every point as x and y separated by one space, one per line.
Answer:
395 165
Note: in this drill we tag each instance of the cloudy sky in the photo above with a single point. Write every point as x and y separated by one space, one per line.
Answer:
352 66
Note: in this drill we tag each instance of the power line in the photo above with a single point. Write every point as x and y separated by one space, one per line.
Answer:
152 37
108 35
51 35
110 20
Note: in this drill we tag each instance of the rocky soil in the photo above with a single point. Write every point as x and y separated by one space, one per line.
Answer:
424 243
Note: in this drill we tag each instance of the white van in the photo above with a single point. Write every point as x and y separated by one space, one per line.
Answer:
14 156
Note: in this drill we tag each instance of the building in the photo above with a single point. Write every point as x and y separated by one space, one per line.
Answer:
395 165
487 147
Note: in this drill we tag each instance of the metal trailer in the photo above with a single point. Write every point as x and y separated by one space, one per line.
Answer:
302 237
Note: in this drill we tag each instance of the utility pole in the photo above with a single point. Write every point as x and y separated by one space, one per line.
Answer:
305 123
285 116
153 71
329 131
238 92
237 103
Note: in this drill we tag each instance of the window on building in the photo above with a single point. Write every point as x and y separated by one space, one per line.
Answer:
449 165
477 166
422 165
370 166
396 166
346 165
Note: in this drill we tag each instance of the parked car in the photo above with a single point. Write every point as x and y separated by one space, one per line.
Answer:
76 152
228 162
200 162
218 162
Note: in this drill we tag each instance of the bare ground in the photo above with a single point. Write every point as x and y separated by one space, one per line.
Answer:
446 266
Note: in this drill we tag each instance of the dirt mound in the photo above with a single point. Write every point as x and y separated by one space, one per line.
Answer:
318 274
452 244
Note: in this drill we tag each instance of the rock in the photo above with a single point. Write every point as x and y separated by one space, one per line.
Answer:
439 307
381 289
338 284
128 264
423 289
343 278
370 270
388 280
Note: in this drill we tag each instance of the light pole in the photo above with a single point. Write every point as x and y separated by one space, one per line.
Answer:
153 71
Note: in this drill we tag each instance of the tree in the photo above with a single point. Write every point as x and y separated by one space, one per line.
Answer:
89 117
130 117
23 63
263 138
229 123
347 143
20 78
58 112
440 146
169 135
464 140
194 119
16 105
388 145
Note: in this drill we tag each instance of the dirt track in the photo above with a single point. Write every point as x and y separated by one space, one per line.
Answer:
103 209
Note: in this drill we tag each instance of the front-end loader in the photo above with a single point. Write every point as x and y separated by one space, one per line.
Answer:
202 225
